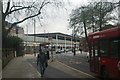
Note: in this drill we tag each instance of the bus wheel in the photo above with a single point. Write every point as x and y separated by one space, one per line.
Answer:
104 74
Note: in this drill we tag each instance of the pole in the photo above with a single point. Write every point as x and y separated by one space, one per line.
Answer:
51 51
26 39
74 51
119 12
100 18
56 47
71 42
34 39
65 44
44 36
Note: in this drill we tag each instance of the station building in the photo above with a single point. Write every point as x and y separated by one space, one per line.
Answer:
56 41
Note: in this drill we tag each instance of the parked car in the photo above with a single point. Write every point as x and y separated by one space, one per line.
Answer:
62 51
67 50
58 51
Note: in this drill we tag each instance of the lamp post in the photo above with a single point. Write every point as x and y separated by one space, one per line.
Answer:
74 43
44 36
119 12
51 50
51 47
34 39
26 43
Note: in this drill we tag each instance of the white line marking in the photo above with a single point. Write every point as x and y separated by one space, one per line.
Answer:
76 69
35 69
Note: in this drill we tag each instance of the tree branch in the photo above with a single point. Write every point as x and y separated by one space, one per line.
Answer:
15 23
34 15
18 9
14 7
8 7
43 4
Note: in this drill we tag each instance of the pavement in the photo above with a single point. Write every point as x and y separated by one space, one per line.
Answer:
19 67
0 68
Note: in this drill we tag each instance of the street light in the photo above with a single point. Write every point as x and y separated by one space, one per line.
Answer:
26 42
119 12
51 38
34 39
74 43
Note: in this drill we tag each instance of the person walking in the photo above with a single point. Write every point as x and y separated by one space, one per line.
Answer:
41 59
47 53
74 52
80 50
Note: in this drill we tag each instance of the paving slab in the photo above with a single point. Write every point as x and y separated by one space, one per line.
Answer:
19 68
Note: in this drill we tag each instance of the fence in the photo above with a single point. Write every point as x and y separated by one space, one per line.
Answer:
7 55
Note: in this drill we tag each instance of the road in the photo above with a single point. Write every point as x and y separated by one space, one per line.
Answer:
67 66
79 61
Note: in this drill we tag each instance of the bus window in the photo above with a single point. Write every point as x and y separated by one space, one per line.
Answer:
104 47
94 50
115 45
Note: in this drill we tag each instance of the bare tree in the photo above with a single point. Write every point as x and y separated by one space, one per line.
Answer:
21 10
95 15
91 17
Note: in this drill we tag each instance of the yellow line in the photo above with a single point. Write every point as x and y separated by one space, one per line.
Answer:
76 69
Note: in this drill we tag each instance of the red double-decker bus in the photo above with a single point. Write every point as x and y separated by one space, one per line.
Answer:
105 53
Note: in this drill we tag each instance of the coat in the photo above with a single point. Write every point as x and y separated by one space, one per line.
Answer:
41 58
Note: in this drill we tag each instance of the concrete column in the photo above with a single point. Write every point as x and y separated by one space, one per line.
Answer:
76 44
65 43
56 41
71 42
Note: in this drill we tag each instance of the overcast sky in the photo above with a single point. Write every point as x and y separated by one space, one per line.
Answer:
56 21
53 19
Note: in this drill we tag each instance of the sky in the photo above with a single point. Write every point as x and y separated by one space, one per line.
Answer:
53 19
56 21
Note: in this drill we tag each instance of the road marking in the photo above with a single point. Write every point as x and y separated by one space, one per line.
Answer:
35 69
76 69
34 62
75 62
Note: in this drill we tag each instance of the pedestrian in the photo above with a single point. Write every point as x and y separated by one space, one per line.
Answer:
44 49
80 50
48 55
74 52
51 54
41 59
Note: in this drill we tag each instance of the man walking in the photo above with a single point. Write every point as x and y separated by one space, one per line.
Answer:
41 59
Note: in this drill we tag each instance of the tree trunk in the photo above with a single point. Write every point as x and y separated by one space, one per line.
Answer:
86 36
